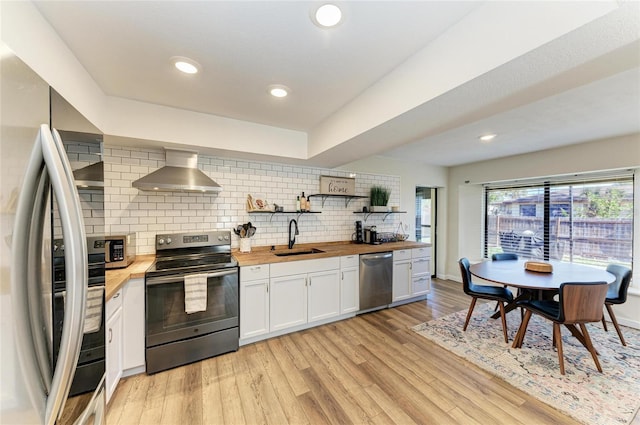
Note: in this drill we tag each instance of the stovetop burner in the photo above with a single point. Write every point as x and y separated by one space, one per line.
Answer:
184 253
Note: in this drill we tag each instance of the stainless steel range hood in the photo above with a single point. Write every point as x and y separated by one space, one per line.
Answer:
180 174
91 176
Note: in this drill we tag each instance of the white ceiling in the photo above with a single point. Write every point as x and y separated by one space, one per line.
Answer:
579 87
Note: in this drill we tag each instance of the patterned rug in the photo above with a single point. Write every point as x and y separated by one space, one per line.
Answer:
591 397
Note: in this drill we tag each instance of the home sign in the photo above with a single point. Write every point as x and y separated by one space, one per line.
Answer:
330 185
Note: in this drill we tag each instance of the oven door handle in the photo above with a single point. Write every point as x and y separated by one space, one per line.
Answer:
161 280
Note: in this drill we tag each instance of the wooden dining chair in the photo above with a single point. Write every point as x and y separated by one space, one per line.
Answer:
496 293
578 303
617 294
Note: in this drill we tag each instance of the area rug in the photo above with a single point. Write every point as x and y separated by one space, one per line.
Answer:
591 397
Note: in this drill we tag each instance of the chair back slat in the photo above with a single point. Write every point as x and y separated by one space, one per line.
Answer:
582 302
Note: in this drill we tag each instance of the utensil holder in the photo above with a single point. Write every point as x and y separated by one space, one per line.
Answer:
245 245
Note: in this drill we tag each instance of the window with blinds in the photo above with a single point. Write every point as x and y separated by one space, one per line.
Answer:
586 220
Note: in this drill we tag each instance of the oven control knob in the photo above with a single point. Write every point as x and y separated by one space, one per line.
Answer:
220 238
168 241
226 238
160 241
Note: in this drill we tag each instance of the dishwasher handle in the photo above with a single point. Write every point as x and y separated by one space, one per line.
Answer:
380 256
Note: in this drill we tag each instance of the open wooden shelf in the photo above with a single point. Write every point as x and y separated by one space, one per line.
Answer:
386 214
347 198
298 213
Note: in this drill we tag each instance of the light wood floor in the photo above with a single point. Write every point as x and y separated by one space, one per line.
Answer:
369 369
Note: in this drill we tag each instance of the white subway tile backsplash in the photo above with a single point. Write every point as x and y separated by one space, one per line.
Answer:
148 214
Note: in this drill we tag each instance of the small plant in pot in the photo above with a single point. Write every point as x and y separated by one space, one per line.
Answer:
379 197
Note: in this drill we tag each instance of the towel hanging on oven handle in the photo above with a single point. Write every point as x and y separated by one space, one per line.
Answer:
163 280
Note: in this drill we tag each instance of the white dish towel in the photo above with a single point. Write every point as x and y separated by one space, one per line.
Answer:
195 293
93 311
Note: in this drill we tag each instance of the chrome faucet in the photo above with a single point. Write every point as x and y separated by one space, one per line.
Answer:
292 240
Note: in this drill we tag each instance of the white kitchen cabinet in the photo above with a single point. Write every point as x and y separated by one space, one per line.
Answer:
254 300
291 301
420 276
133 360
411 273
401 275
420 271
420 285
349 284
288 301
114 342
323 295
401 280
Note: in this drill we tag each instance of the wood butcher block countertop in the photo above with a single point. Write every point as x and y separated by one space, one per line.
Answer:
264 254
117 278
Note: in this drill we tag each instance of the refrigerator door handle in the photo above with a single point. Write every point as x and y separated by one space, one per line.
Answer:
76 275
37 381
36 307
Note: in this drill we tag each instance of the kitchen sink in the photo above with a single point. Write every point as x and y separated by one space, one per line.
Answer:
300 252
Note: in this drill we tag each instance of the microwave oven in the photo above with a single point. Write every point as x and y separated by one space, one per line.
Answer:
119 250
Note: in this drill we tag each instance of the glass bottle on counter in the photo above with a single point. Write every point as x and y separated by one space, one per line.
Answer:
303 203
298 203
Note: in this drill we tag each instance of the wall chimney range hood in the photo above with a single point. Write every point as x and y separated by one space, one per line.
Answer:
180 174
90 177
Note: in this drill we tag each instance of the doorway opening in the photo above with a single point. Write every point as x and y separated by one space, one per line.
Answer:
426 208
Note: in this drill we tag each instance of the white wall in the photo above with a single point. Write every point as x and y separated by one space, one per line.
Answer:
413 174
463 234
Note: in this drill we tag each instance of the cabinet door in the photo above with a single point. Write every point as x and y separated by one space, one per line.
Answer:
350 290
421 284
287 301
114 351
133 322
323 295
401 280
254 308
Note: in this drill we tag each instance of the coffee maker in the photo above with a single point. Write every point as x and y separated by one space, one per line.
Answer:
371 235
359 232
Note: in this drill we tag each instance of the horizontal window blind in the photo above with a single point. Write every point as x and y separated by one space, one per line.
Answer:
579 218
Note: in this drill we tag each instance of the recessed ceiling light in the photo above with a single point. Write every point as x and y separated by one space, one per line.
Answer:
186 65
487 137
278 90
328 15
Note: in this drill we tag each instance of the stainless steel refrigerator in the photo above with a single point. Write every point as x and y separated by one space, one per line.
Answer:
34 169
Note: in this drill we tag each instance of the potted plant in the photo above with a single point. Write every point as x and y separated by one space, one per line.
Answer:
379 197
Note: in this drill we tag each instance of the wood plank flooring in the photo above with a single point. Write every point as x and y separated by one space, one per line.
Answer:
367 370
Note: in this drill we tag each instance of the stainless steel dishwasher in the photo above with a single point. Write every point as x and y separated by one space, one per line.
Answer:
376 280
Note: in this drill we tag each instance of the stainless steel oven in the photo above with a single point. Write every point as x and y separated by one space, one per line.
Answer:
91 363
173 336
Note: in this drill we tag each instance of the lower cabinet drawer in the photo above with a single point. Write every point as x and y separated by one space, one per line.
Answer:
260 271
